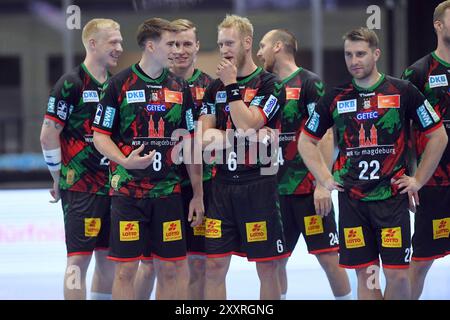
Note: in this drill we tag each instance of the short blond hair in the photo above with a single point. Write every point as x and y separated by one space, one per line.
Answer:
242 24
94 26
363 34
440 10
181 25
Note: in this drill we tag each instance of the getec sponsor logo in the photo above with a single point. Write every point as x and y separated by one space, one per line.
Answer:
90 96
441 228
98 114
172 231
135 96
354 238
213 228
92 226
313 225
439 80
424 117
391 237
62 109
155 107
313 122
256 231
270 105
51 105
109 117
129 230
367 115
346 106
221 97
189 120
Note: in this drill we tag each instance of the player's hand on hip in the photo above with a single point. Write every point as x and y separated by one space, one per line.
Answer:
135 161
322 200
227 72
55 192
413 198
196 211
407 184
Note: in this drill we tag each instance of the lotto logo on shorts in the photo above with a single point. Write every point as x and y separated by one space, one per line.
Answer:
313 225
92 226
213 228
129 230
200 230
256 231
441 228
391 237
354 238
172 231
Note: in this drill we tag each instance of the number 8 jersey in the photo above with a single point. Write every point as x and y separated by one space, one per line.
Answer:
372 127
136 109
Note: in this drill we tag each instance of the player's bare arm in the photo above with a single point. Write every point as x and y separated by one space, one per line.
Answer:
433 152
51 145
109 149
309 151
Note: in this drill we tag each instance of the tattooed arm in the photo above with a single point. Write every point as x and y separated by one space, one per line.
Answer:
50 141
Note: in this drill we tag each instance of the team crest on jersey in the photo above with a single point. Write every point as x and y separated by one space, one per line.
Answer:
135 96
366 104
221 97
90 96
390 101
155 96
439 80
346 106
293 93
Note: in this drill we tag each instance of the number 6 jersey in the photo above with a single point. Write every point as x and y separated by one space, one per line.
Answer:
372 127
136 109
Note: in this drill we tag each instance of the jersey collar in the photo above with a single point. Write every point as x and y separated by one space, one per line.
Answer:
371 88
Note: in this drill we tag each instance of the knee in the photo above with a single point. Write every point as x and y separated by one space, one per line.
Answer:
126 271
215 269
79 263
267 269
167 271
398 277
329 262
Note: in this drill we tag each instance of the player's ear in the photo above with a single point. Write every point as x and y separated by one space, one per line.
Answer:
277 46
377 54
437 25
248 42
150 46
92 44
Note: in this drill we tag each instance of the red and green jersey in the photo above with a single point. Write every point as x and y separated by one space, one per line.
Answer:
372 127
138 110
73 103
198 83
431 76
259 89
303 90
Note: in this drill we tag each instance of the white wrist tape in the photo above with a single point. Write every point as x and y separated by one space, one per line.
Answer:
53 159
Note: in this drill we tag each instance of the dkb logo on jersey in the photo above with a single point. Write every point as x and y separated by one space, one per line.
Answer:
391 237
441 228
256 231
200 229
213 228
313 225
354 238
172 231
135 96
129 230
92 226
439 80
90 96
346 106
